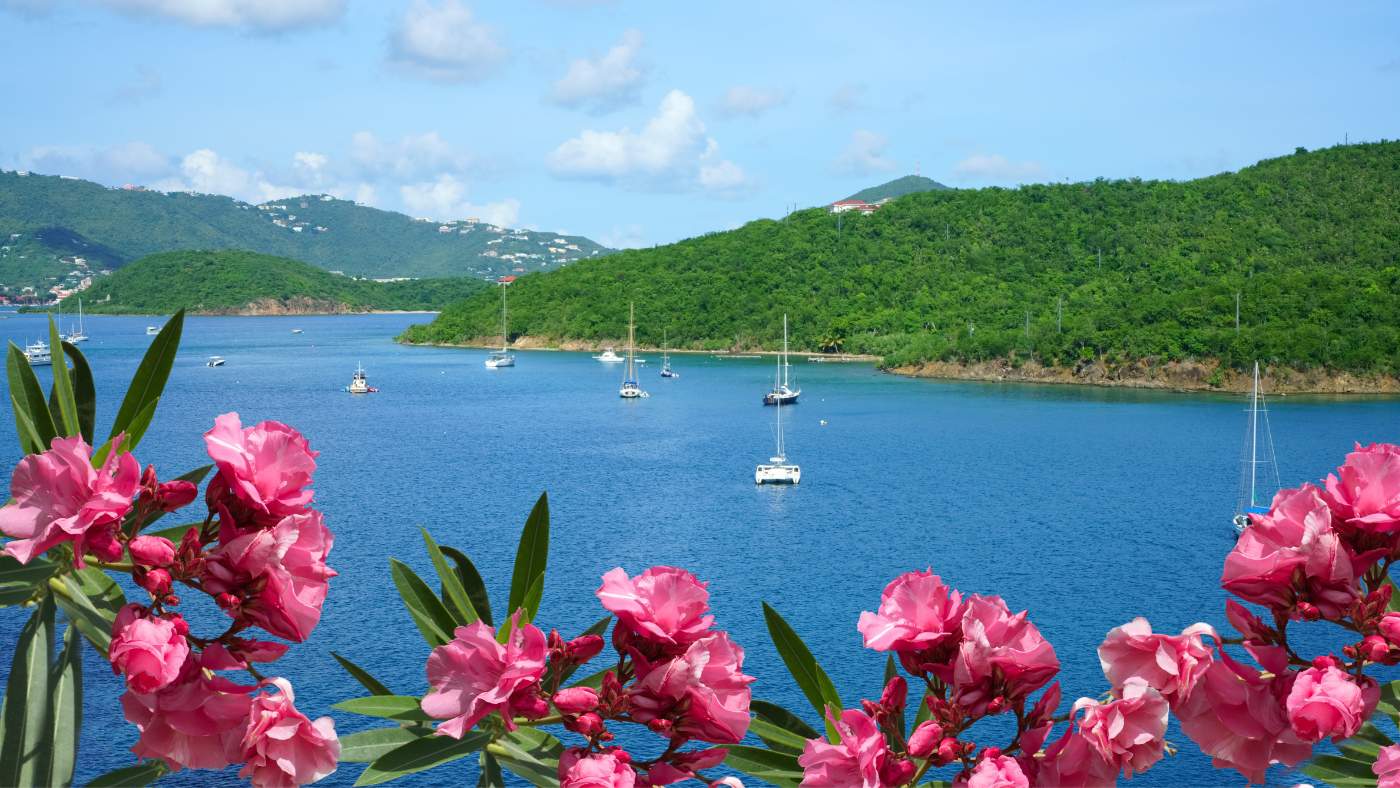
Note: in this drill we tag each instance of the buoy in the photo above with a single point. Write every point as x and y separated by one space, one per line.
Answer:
823 422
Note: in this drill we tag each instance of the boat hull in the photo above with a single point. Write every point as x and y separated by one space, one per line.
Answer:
496 363
774 398
778 474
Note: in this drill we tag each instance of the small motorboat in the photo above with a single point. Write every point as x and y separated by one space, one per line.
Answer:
608 356
215 361
296 331
360 385
152 330
38 354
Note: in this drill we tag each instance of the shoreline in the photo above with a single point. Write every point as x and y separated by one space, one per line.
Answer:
593 346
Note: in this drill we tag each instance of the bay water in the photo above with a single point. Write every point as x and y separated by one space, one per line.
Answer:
1085 506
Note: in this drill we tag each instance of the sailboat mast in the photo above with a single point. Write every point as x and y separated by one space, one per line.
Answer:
1254 434
785 362
505 338
631 317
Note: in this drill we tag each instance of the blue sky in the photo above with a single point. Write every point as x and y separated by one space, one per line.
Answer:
637 123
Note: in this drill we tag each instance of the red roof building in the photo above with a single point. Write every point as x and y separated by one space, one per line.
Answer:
505 280
852 205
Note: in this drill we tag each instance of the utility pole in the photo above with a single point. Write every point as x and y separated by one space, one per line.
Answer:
838 225
1059 313
1237 314
947 232
1028 323
1100 259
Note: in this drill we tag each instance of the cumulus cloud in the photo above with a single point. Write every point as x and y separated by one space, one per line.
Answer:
671 153
630 237
265 16
981 167
414 157
129 161
847 99
863 155
207 172
443 199
446 43
148 83
602 84
743 100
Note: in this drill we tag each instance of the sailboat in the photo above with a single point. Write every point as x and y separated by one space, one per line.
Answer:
665 360
499 358
778 472
1252 487
781 394
630 389
78 336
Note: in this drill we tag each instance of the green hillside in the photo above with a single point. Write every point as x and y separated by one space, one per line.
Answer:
899 187
332 234
1309 240
228 280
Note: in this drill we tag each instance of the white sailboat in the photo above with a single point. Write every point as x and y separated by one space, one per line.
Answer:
38 354
630 389
78 336
666 360
781 393
778 471
499 358
1253 488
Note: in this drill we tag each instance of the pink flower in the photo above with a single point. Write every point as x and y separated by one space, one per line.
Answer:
664 605
684 765
709 678
1387 767
475 675
917 612
924 741
59 497
278 577
576 700
152 550
1001 656
1170 665
854 763
262 471
1327 703
196 723
1293 545
577 769
1127 732
281 746
1237 717
1072 762
151 651
1364 494
735 782
998 772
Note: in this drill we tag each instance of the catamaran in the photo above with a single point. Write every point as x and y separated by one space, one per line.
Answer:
665 360
38 354
78 335
778 472
499 358
1252 487
630 389
781 394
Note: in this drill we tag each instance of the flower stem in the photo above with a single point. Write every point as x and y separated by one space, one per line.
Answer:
112 567
555 720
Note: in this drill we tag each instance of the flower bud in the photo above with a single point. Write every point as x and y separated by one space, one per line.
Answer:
227 601
190 546
152 550
1374 648
576 700
1389 625
1326 661
660 726
923 742
895 696
1250 626
893 772
996 706
589 725
106 547
948 749
583 648
182 627
870 707
532 708
622 637
1307 612
175 495
991 753
156 581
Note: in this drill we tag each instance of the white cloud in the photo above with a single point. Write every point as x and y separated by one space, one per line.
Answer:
446 43
862 156
671 153
744 100
443 199
847 99
602 84
630 237
129 161
996 168
147 84
313 161
208 172
415 157
265 16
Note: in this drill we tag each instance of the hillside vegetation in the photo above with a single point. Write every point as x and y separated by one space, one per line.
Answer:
1308 240
231 282
898 187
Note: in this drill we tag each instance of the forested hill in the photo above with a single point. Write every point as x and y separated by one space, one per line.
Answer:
332 234
1308 240
898 188
236 282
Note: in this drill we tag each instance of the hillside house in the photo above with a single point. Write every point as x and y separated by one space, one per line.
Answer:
444 229
471 221
466 230
296 229
841 206
494 241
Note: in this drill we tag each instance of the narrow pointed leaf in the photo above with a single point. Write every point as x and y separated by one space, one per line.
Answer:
427 610
461 607
16 595
84 391
472 582
491 776
1371 733
361 675
774 714
149 381
532 555
528 607
594 680
24 725
776 738
776 768
24 387
132 776
65 712
810 677
29 439
1338 771
100 589
924 714
66 420
367 746
135 431
424 753
390 707
193 477
532 754
84 614
12 571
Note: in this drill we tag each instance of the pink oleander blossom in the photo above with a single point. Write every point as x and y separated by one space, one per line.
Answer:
1294 543
1169 664
1129 731
195 723
475 675
1364 494
59 497
999 772
1328 703
917 611
998 644
263 471
854 763
281 747
150 651
578 769
1387 767
1072 761
576 700
151 550
708 678
279 576
664 605
684 766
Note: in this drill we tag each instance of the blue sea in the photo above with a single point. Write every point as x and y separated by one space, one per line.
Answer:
1085 506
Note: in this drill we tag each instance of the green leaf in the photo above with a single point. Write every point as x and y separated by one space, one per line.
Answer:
29 439
65 712
24 725
84 391
367 746
16 595
132 776
777 768
1371 733
528 607
29 396
149 381
93 623
392 707
776 738
774 714
460 606
471 581
532 754
135 431
176 533
1337 771
361 675
100 589
924 714
594 680
597 629
809 675
12 571
424 753
66 419
491 776
427 610
193 477
531 556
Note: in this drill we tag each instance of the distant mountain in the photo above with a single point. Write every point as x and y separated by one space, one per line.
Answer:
57 220
234 282
898 188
